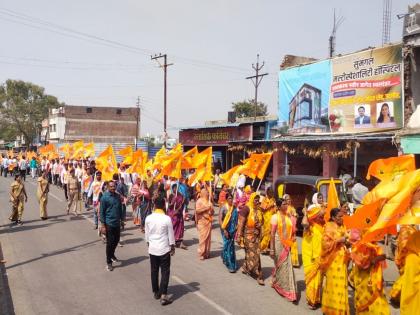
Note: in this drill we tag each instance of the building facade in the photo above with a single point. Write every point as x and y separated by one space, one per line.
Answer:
92 124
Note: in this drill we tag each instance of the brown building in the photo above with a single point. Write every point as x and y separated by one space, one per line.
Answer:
93 124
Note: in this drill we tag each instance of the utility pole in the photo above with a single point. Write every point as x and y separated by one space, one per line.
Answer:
164 66
256 80
386 21
137 120
331 40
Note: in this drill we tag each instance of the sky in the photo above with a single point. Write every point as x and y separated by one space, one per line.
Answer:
97 52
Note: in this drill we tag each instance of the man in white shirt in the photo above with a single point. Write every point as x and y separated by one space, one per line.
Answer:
22 168
161 241
6 163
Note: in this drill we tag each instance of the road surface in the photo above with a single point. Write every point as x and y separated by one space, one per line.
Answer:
58 267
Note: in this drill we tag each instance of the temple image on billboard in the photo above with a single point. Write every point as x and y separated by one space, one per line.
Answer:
305 113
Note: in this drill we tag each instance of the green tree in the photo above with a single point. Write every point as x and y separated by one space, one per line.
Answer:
23 107
246 108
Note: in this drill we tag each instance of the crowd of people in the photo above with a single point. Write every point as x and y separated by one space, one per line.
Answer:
255 222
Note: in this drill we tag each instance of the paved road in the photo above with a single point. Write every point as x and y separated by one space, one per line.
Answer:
58 267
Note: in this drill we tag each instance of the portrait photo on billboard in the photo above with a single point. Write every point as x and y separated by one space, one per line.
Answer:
362 118
385 115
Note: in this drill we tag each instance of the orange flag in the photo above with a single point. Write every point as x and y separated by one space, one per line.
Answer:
229 175
332 199
251 165
107 164
188 157
396 206
126 151
365 216
265 161
389 168
67 149
136 163
172 166
89 150
202 157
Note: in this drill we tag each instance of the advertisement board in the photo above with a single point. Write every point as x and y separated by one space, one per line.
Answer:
361 92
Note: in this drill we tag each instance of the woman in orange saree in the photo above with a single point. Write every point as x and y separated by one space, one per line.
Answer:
282 237
333 264
203 218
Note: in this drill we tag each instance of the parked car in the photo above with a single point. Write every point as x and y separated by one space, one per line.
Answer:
301 189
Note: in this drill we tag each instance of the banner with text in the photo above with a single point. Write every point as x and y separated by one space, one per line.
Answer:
366 91
360 92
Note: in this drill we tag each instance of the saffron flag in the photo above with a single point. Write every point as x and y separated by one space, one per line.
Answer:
332 199
228 177
251 165
264 162
89 150
78 150
137 163
128 150
172 166
188 157
67 149
365 216
107 164
396 206
386 169
202 157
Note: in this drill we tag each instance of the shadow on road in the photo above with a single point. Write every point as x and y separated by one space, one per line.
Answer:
6 302
55 253
179 290
132 241
54 218
132 261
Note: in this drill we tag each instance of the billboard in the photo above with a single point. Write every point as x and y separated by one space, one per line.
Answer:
361 92
304 96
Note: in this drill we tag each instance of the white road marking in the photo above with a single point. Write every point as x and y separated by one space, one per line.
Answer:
202 296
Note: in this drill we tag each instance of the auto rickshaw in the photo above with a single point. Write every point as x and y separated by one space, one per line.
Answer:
301 189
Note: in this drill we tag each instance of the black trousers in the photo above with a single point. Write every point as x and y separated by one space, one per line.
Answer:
112 239
65 191
164 263
23 174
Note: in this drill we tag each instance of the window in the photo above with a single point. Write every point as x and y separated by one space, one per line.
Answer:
88 110
119 111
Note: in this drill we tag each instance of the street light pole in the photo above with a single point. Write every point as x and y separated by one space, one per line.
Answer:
137 121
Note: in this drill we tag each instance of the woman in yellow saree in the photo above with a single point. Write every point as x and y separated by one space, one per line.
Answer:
410 289
333 264
311 253
368 259
268 208
291 211
400 255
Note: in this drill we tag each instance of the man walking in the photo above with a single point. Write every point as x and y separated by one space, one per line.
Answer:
110 216
22 168
33 165
73 192
161 241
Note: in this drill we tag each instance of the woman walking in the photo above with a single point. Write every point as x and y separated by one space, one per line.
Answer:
250 233
42 194
175 212
333 264
282 237
228 221
203 217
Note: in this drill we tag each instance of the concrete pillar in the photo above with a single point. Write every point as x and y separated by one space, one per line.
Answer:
329 164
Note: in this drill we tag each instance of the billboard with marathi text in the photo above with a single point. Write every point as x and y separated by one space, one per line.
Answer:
361 92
